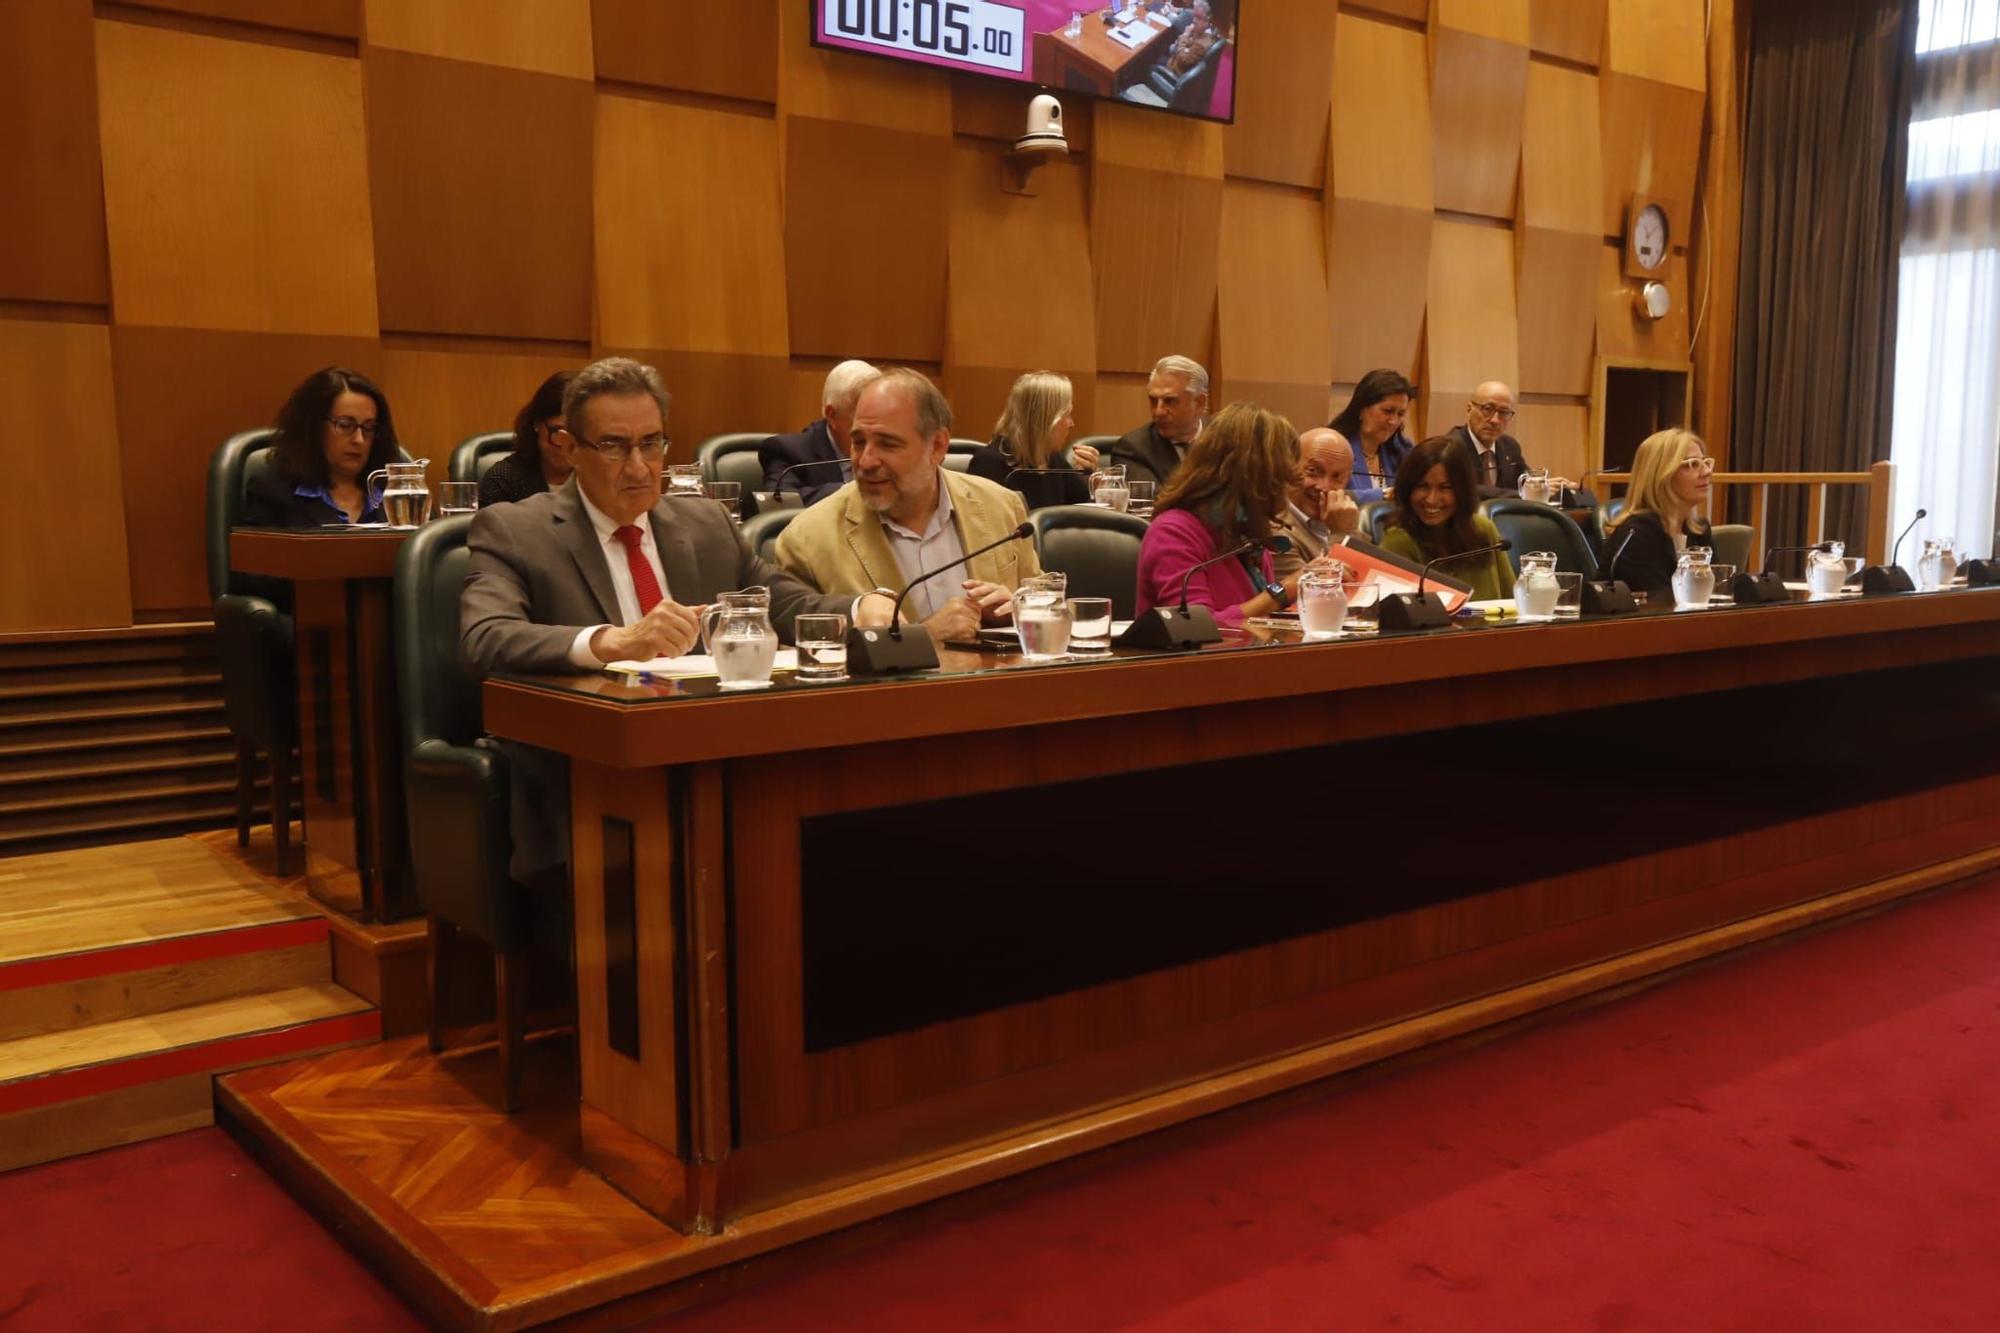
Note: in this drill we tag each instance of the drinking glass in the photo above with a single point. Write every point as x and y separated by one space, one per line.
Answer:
1140 497
1090 624
1042 618
1322 602
457 497
729 494
682 478
1569 594
822 643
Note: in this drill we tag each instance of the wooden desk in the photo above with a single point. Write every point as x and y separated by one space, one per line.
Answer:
845 948
1093 61
350 746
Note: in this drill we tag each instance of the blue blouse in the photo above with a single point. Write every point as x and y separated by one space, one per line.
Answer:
1367 488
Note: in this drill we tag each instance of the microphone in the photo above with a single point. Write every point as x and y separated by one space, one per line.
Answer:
1892 577
800 467
1184 626
881 651
764 502
1766 588
1421 610
1607 596
1277 544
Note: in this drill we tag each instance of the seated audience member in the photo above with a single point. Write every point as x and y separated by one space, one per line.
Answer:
1230 490
905 513
1670 481
1177 391
603 570
1498 462
822 448
333 431
1437 514
1028 442
1372 422
542 458
1318 506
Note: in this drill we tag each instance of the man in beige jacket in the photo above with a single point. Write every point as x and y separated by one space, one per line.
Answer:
906 513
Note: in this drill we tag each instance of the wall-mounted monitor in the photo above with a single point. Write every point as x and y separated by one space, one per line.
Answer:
1169 55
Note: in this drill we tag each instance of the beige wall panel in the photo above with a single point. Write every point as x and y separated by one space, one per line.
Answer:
690 253
1562 168
1571 29
1661 40
1620 331
1153 243
333 18
1502 20
54 247
730 50
1120 409
1652 145
1128 137
866 277
1558 309
1019 269
442 397
990 109
1378 269
1381 140
1418 10
1303 405
1472 334
831 85
478 179
1479 90
978 393
211 221
167 429
719 394
1284 82
1272 321
547 36
1555 436
62 537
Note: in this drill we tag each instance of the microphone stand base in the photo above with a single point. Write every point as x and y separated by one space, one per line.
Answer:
1607 599
1169 627
875 651
1765 589
765 502
1413 610
1877 579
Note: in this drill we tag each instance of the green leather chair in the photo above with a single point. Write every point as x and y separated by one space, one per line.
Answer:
1098 549
760 532
476 453
1101 443
733 458
958 456
457 794
1539 527
1735 543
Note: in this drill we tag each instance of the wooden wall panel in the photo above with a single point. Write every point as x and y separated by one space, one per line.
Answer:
847 86
1555 436
1652 145
1569 29
1620 331
235 184
1284 85
1472 334
1558 236
1153 245
1019 270
62 542
728 50
1662 40
180 393
1415 11
706 271
1378 265
1562 171
1272 325
715 394
865 267
478 176
54 249
1381 142
1502 20
1557 273
331 18
1132 138
1479 88
548 36
441 397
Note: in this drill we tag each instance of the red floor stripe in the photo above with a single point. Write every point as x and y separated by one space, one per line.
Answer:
160 953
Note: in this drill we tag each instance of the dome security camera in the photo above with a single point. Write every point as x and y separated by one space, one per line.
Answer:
1045 128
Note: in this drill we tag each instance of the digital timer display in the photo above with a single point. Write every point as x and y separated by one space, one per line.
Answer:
976 35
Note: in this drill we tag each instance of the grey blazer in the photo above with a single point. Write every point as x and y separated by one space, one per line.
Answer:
538 575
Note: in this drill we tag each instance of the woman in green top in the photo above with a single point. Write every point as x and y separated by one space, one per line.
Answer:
1437 514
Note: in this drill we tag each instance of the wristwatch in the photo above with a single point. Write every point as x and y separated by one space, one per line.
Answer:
1279 595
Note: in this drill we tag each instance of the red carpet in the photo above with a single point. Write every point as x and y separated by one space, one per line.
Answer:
1805 1137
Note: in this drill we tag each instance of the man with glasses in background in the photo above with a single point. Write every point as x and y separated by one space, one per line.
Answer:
1497 458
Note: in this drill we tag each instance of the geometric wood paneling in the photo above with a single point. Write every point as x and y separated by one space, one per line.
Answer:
1381 143
1472 336
729 50
830 85
1620 330
1019 270
1378 266
1479 85
180 393
235 184
479 176
689 249
1562 173
1502 20
1272 308
1284 83
441 397
548 36
1568 29
1652 145
1131 138
62 528
1662 40
1558 236
1557 280
54 233
865 238
1555 436
330 18
1416 11
1153 245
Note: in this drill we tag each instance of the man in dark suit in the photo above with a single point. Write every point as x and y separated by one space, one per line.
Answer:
604 570
1177 392
821 445
1497 460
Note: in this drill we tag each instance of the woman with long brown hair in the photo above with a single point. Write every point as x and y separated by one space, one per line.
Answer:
1437 514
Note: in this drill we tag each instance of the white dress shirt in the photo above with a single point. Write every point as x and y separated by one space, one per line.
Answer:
915 552
621 577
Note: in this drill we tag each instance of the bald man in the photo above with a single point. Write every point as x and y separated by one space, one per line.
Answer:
1497 458
1319 508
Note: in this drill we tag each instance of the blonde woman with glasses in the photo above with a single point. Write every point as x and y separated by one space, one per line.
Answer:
1026 452
1665 510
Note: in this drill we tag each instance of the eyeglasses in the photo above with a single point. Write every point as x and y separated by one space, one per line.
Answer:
1701 466
652 448
1494 410
349 426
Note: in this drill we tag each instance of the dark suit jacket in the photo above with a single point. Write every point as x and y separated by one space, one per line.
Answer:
814 444
1053 485
1511 465
1146 455
1644 555
272 502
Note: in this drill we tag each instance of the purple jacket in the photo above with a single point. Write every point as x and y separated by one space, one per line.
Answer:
1176 542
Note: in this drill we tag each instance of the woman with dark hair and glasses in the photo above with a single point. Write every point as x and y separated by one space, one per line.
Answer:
1373 422
1437 514
332 432
542 459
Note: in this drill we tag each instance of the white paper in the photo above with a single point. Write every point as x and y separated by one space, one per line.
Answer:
695 665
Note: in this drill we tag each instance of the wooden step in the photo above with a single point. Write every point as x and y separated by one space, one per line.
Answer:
64 685
77 740
135 791
123 712
91 828
128 762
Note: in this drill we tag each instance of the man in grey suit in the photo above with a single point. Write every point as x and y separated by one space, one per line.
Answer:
604 570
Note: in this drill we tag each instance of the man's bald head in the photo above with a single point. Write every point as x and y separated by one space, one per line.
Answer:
1490 411
1326 460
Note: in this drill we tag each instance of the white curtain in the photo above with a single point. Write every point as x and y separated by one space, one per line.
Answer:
1946 439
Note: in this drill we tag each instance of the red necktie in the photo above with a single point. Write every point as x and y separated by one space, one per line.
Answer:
644 585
